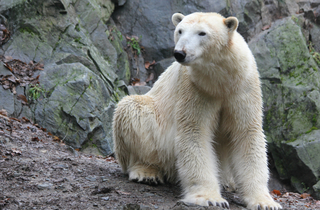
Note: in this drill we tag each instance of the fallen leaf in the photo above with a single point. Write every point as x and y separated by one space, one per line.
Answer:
14 90
56 138
16 119
7 58
16 151
11 79
276 192
266 27
35 139
134 81
25 119
140 84
304 195
146 64
3 112
23 98
8 67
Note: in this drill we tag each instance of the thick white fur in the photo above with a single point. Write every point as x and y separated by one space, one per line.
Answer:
201 123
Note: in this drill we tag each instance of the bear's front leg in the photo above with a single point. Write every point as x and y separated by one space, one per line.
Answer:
197 163
248 152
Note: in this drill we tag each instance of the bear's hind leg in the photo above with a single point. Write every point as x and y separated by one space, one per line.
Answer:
135 145
147 174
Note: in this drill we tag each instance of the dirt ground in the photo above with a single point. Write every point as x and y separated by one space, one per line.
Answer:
38 171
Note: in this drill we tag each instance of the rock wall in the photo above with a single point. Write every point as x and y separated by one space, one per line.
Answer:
290 84
85 68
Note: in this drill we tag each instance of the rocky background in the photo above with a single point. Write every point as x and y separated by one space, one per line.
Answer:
66 64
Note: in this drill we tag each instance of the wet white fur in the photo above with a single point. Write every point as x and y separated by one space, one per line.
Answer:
201 123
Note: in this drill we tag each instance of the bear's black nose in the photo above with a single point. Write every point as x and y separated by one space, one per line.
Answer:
179 55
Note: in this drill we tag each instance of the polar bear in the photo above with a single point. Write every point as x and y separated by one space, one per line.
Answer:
201 123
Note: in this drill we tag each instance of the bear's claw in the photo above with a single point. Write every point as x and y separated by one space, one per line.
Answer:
145 175
222 204
259 207
148 180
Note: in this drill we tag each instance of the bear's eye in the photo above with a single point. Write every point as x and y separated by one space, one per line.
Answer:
180 32
202 33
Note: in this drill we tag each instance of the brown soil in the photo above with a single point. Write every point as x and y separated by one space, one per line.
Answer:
38 171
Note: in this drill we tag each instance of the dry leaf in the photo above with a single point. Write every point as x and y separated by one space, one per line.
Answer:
25 119
14 90
23 98
16 151
3 112
6 65
11 79
276 192
35 139
266 27
16 119
147 64
134 81
56 138
304 195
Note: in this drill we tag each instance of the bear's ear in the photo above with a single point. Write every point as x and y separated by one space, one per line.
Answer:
231 23
177 18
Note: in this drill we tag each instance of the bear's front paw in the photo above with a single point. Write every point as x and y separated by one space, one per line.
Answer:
147 175
206 200
264 204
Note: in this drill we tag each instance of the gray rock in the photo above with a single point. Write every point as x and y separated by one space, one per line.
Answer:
84 61
162 65
315 38
290 85
44 186
151 19
7 100
91 178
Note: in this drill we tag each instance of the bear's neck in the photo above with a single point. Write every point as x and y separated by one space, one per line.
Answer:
217 79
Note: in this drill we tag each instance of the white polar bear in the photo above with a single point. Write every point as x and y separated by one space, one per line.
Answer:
201 123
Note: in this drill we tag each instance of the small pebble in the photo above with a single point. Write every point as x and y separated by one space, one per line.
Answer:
91 178
105 198
44 186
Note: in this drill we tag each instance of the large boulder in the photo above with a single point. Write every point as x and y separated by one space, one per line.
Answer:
85 68
290 84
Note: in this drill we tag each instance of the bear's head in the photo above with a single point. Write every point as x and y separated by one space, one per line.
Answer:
199 36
